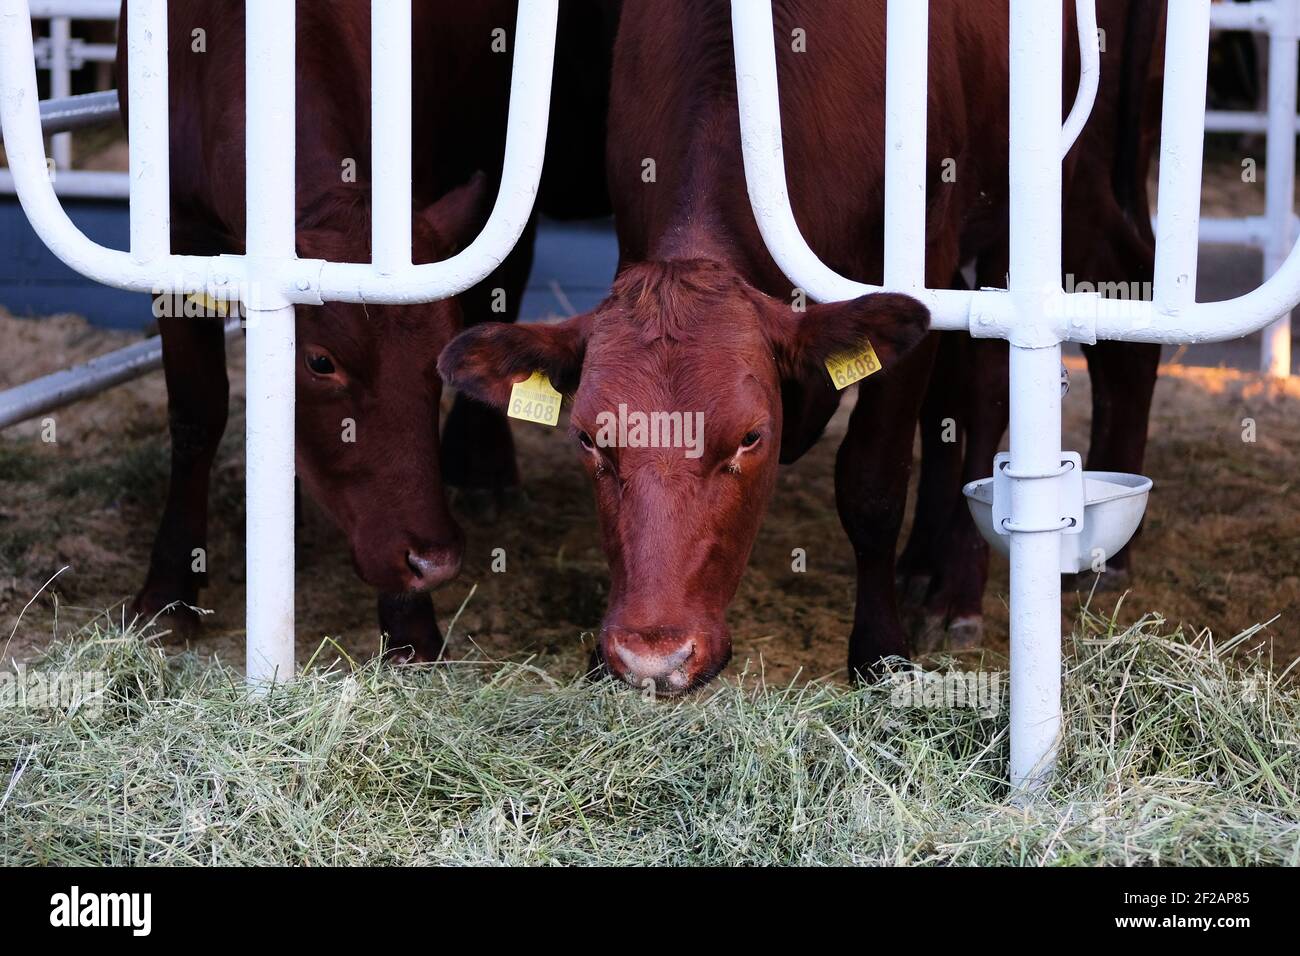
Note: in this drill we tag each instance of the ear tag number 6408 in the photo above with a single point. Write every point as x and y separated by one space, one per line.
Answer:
535 400
849 367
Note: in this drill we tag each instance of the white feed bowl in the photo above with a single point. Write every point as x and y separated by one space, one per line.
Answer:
1115 503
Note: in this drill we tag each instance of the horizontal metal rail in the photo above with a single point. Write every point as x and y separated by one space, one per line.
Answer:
45 394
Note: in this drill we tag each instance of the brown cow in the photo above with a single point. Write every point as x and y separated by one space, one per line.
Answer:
375 366
701 319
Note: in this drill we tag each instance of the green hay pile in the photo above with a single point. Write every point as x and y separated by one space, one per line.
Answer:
1176 750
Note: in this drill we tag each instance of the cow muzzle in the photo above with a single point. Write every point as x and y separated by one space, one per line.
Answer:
667 660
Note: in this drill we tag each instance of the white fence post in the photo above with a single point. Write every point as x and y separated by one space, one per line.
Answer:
272 337
1037 82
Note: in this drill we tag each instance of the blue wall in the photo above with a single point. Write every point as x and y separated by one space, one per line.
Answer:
579 257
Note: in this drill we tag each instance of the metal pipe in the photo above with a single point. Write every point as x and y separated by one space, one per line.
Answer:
1283 77
906 110
1182 158
1254 17
271 342
1089 74
61 84
390 116
76 9
80 184
77 112
85 380
150 145
1037 67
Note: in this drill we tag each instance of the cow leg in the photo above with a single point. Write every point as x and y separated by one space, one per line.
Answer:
954 606
478 452
198 392
942 425
1123 376
409 626
872 469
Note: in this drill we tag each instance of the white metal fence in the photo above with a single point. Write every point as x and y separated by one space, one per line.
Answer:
1039 494
1274 232
62 54
269 280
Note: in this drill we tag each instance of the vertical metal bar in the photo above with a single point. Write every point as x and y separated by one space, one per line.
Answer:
61 85
906 109
272 353
1182 157
1037 35
390 112
148 133
1283 77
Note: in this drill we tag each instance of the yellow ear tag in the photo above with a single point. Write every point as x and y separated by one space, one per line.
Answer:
849 367
535 400
208 305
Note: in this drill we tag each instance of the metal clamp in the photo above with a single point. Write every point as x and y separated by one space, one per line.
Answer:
1069 478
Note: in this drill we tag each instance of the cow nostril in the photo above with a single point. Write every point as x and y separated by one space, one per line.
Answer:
420 565
432 569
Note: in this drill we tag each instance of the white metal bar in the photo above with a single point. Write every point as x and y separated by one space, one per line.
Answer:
390 112
1089 74
61 84
1255 17
76 9
1250 231
1182 157
271 344
1240 121
150 147
80 184
906 109
1283 77
1037 82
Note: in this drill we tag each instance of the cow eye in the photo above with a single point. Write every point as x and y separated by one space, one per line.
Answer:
585 440
320 364
750 440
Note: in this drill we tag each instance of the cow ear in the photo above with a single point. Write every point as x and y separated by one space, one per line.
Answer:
803 341
458 217
485 361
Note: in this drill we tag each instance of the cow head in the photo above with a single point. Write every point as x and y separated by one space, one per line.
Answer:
367 411
695 345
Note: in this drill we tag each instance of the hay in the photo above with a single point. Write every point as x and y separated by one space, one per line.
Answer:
1176 750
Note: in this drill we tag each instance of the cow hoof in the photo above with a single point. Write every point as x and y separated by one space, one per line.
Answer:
930 636
966 634
174 617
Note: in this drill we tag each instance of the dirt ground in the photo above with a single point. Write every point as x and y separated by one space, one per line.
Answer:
1221 548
